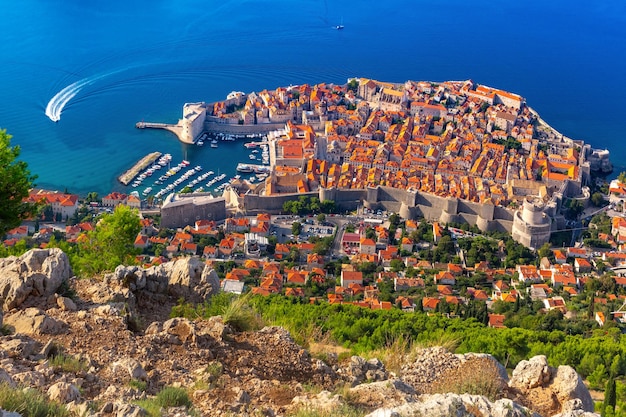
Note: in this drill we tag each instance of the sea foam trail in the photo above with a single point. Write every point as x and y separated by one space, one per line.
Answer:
57 103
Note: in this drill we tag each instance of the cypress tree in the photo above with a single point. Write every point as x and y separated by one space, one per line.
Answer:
610 397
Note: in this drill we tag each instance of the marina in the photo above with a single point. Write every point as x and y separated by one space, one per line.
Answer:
142 164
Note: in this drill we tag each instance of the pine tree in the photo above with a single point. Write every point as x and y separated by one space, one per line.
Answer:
610 398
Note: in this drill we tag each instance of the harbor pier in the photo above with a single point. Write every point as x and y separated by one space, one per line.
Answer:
176 129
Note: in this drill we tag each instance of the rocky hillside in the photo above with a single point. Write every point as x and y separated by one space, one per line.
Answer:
106 347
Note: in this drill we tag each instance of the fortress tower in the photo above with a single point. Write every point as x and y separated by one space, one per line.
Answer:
531 225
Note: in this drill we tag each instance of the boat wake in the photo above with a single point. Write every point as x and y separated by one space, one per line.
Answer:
59 101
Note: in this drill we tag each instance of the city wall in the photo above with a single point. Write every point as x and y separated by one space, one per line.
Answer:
409 204
188 208
237 129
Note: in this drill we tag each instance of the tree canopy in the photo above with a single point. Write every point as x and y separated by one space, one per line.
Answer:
111 243
15 182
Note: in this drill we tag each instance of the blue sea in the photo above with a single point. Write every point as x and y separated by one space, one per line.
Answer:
109 64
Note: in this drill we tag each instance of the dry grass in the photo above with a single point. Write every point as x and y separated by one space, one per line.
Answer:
394 354
448 341
240 315
476 376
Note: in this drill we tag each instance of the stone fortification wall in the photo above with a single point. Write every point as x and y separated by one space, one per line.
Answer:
345 199
414 205
211 125
189 208
270 204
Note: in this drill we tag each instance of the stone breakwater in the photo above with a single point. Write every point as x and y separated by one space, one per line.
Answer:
142 164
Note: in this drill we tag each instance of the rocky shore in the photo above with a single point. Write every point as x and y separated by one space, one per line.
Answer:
117 330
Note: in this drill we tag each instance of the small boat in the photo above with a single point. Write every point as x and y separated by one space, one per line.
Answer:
250 145
251 156
213 144
200 142
185 162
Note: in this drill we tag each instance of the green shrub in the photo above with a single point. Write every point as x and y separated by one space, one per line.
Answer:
173 397
150 405
240 316
138 384
342 411
67 363
29 403
167 397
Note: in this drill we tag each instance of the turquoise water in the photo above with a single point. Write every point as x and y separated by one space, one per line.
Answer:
120 62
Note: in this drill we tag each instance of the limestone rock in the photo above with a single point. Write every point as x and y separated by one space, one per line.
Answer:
128 410
38 272
4 413
392 393
577 413
131 366
454 405
64 392
429 366
191 279
34 321
66 304
360 370
30 379
324 401
547 390
532 373
5 378
18 346
570 390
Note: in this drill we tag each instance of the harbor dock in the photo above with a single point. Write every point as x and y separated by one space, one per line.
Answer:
175 129
142 164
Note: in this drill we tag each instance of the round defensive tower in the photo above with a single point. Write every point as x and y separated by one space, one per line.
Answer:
532 211
531 225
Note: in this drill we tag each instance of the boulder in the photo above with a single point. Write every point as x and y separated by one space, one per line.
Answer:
191 279
66 304
38 272
430 365
130 366
187 278
4 413
392 393
530 374
325 401
34 321
63 392
454 405
549 391
570 390
5 378
359 370
18 346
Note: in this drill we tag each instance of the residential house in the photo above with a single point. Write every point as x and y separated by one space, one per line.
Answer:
555 303
528 273
351 277
429 303
114 199
405 303
141 241
600 318
19 232
582 265
497 321
367 246
445 278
